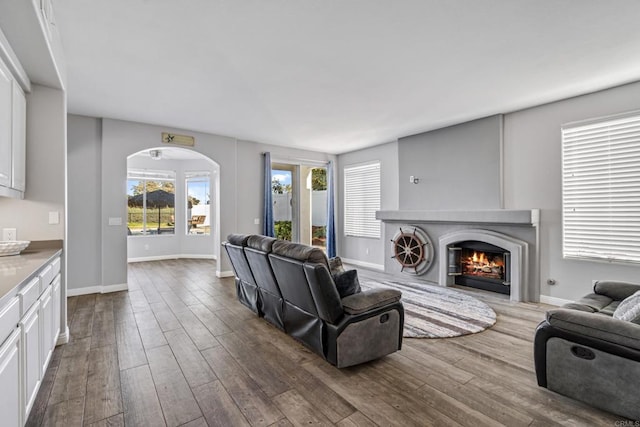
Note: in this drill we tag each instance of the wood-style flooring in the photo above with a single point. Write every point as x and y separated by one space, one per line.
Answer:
179 349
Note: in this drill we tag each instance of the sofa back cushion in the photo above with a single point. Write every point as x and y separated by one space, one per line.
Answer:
324 293
235 249
257 251
292 282
300 252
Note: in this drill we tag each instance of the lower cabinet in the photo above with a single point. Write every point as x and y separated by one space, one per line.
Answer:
31 339
10 380
29 328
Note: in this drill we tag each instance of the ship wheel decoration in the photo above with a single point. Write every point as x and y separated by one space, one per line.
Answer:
413 250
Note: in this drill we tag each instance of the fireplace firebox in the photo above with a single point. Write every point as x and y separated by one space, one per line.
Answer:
480 265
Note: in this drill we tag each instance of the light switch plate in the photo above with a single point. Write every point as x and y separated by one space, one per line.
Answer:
9 234
115 220
54 217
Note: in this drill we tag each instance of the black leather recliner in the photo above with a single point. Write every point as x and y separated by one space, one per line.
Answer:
295 291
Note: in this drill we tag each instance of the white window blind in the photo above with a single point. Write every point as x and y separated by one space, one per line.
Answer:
362 200
601 189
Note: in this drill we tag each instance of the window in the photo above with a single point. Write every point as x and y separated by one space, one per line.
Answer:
601 189
362 200
151 202
198 203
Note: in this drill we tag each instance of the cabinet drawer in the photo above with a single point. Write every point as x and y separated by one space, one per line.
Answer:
9 317
55 268
29 294
46 276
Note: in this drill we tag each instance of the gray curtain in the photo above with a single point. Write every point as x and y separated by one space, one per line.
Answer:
267 221
331 231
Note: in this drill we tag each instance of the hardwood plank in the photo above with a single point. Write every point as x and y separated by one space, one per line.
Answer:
66 413
114 421
200 422
299 411
357 419
265 374
209 320
165 317
177 402
39 408
103 398
218 407
103 329
253 403
130 349
149 330
138 301
198 333
71 379
193 365
141 404
82 323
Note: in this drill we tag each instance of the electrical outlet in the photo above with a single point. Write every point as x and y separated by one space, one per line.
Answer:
9 234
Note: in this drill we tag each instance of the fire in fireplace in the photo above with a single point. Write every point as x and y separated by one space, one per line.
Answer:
480 265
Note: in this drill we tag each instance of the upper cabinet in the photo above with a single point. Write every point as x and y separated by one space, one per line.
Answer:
18 139
13 109
6 107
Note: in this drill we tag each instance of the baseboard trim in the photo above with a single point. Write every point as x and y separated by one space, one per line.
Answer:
63 337
166 257
224 274
97 289
364 264
554 301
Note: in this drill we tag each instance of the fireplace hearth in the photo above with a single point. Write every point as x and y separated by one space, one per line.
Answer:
480 265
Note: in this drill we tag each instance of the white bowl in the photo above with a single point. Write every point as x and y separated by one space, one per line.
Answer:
12 247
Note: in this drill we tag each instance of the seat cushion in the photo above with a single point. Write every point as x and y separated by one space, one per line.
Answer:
629 309
595 302
370 300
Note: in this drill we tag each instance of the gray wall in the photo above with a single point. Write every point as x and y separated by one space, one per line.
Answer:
532 160
240 187
366 250
84 200
458 167
531 178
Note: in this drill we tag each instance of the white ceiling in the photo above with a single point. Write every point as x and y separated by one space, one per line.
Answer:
337 75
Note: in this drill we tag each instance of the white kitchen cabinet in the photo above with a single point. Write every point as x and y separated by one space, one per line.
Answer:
56 308
10 380
6 107
46 329
31 339
18 139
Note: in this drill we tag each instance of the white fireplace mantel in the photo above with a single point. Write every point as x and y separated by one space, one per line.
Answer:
529 217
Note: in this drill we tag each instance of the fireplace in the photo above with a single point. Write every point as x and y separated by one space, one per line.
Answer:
497 231
480 265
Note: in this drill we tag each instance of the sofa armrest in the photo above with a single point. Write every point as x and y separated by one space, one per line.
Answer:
615 290
596 326
369 300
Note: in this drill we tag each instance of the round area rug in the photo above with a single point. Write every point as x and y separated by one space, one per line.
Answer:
435 311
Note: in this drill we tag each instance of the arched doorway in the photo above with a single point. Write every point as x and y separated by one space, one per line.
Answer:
172 205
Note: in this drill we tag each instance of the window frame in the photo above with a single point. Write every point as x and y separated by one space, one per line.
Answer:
195 176
600 170
146 175
364 224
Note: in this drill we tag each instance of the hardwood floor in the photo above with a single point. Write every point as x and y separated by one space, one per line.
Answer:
179 349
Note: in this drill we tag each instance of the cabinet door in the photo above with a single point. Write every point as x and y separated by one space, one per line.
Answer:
46 329
19 138
10 365
5 125
55 301
30 325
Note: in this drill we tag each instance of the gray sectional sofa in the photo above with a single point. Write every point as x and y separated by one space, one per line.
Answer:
582 351
292 286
